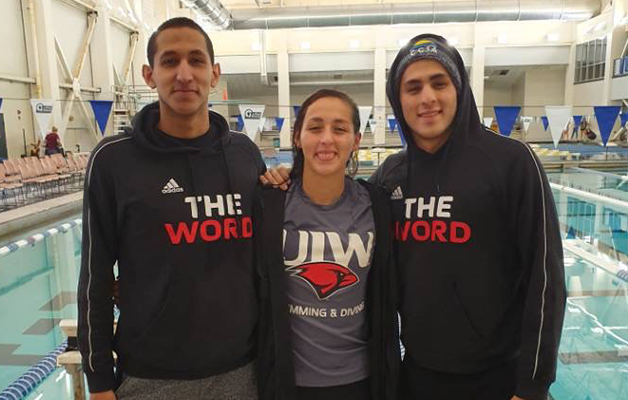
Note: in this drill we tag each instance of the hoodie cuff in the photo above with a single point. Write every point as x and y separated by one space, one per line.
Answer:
101 381
532 390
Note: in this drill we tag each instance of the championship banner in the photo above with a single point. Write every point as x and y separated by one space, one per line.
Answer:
239 123
623 116
488 121
279 122
101 109
252 116
296 110
43 113
392 124
365 113
545 122
606 117
558 118
506 117
526 121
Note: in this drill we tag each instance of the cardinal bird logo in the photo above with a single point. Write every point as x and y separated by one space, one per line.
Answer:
325 278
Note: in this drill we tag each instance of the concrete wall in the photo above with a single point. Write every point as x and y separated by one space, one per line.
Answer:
16 106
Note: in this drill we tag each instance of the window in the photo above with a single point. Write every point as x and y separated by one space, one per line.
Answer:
590 61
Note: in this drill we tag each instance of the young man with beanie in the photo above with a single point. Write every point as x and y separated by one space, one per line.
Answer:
477 241
171 202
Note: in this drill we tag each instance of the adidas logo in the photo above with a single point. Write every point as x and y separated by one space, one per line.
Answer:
397 194
171 187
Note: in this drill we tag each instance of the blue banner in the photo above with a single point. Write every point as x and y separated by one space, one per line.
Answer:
623 116
102 109
506 117
545 122
296 110
279 122
606 117
239 123
0 103
571 234
392 123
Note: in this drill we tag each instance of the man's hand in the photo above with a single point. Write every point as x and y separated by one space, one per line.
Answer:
277 177
102 396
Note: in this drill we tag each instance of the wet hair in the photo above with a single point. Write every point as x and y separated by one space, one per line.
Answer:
179 22
297 153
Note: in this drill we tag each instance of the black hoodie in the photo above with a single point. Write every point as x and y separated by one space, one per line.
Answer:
176 216
479 251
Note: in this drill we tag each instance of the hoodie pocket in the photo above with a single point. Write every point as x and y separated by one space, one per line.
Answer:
439 324
204 324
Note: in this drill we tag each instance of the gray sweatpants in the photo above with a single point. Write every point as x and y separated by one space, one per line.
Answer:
239 384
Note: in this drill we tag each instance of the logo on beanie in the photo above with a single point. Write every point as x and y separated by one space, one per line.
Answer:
424 47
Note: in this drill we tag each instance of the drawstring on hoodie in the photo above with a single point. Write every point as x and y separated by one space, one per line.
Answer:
440 165
230 184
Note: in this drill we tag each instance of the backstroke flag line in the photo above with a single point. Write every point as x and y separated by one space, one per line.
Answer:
606 117
101 109
558 118
43 113
506 117
252 116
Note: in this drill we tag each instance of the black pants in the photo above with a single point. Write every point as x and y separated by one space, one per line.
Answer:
360 390
498 383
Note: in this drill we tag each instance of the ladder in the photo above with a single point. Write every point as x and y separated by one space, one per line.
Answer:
120 120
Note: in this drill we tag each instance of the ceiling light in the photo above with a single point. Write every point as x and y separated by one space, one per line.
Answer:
354 43
502 38
256 46
453 41
486 77
403 42
305 45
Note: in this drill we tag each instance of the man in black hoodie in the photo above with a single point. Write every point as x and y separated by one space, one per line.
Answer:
478 243
170 201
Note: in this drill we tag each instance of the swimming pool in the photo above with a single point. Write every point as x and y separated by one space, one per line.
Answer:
38 288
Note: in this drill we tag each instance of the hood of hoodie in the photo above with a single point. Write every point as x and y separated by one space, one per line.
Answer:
144 131
466 121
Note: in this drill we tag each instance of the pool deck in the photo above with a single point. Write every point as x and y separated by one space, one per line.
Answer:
15 222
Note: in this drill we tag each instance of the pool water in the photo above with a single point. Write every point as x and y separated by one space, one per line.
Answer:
38 288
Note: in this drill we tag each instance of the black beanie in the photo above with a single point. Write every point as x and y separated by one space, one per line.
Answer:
430 46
